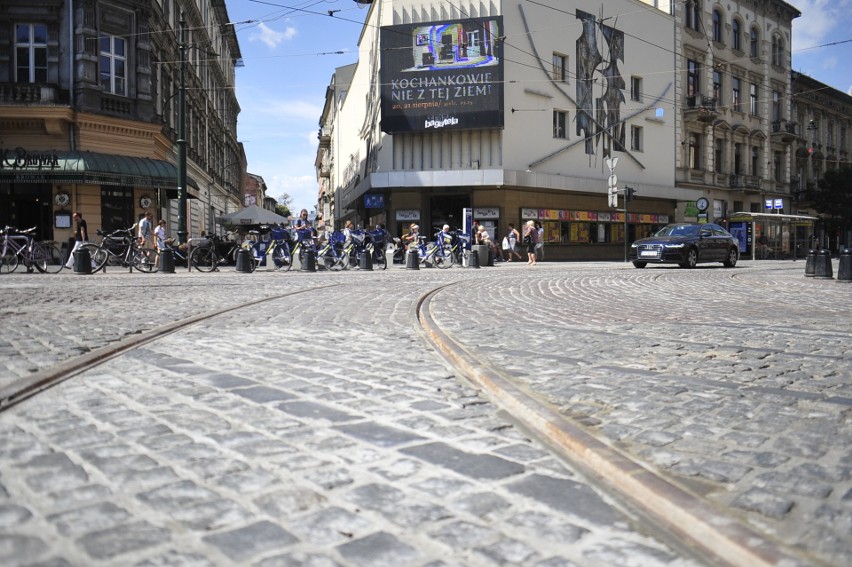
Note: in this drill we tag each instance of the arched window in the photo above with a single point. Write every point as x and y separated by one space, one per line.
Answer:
693 14
777 51
753 43
736 35
717 26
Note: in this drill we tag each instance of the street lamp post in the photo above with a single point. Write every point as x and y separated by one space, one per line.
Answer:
181 142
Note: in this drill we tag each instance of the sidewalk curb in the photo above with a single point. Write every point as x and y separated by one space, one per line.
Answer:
687 517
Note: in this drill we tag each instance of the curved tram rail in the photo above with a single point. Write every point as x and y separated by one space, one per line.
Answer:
688 521
28 386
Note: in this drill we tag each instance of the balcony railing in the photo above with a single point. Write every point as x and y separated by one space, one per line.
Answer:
747 182
702 108
788 131
31 94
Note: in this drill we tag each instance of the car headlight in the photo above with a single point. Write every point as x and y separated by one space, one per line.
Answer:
634 245
674 245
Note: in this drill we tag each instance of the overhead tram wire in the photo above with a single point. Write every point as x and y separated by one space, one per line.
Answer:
670 103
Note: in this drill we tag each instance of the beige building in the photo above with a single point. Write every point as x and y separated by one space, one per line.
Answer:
90 114
510 110
695 104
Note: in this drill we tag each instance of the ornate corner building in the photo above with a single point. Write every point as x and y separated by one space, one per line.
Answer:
89 114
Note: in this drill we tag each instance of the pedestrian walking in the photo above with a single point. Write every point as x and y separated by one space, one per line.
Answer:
162 240
539 246
530 239
81 236
146 231
512 238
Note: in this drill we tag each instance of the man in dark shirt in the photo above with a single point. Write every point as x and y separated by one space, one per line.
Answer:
81 236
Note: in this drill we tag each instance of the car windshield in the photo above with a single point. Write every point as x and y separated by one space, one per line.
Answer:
678 230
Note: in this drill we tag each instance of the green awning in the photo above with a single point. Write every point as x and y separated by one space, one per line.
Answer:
90 167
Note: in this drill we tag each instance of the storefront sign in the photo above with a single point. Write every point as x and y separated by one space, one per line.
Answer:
408 215
19 158
529 213
374 201
483 213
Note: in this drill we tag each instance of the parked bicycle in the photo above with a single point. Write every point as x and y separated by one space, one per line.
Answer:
438 253
460 245
280 248
119 248
304 242
332 254
19 246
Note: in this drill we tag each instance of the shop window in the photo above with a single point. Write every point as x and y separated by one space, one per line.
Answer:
116 208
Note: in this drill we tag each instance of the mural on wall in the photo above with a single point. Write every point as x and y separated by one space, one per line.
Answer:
606 125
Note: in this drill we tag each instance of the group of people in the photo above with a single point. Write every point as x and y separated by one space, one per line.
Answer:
532 239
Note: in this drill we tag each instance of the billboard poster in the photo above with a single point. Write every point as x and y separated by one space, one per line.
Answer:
442 75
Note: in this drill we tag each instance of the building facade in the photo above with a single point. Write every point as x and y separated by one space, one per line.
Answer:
512 110
90 120
824 118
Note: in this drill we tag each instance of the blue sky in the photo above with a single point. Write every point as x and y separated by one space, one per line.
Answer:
291 48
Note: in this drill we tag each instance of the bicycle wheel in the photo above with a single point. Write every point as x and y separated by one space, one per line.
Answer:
98 255
204 259
8 262
443 257
283 257
47 257
144 260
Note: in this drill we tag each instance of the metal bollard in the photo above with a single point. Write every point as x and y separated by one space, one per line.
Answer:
810 263
412 260
167 262
365 262
473 259
822 268
244 261
844 270
82 261
309 263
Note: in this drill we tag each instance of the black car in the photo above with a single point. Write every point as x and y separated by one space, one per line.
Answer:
687 244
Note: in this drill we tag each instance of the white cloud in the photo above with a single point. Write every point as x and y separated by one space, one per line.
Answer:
273 38
818 20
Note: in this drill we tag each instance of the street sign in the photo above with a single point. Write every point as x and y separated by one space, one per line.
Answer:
613 197
612 182
611 163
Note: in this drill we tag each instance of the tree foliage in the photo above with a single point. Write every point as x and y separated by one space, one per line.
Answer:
833 198
282 207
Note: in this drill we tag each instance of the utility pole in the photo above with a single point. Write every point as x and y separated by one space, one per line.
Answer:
181 142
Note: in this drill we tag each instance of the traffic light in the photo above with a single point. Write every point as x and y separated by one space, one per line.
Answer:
629 194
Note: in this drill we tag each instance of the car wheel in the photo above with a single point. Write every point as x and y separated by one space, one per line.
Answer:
640 265
733 256
691 259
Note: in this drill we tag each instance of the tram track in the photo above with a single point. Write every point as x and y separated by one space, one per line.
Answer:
25 387
684 517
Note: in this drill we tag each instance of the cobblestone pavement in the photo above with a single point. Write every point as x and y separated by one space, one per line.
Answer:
318 429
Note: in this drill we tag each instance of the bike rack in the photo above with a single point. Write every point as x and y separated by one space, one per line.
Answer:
189 244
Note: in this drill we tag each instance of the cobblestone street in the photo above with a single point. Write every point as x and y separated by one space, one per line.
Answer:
320 427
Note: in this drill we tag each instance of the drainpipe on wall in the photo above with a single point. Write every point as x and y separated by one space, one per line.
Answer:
71 49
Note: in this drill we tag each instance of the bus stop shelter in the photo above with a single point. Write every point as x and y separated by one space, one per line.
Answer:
765 236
